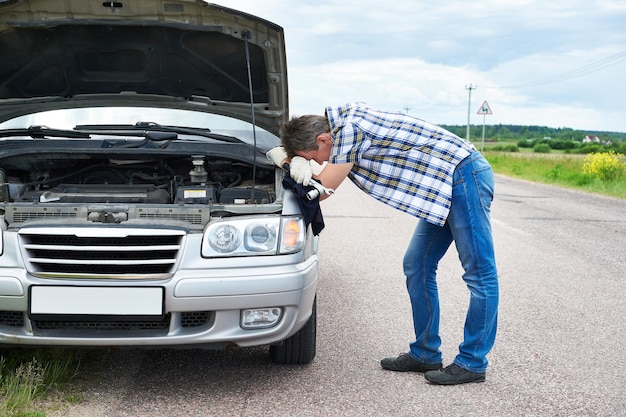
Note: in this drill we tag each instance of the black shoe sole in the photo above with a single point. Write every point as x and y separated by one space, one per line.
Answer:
421 369
455 382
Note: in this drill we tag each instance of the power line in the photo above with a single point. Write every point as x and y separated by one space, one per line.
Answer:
578 72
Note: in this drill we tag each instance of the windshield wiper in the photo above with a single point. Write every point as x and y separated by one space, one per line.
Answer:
152 131
40 132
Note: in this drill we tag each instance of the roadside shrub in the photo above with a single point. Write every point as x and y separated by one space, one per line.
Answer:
618 147
592 148
563 144
505 148
605 166
542 148
510 148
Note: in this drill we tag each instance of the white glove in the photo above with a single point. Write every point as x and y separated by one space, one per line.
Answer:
277 155
300 170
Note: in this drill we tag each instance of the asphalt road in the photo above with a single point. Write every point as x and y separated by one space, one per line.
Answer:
560 349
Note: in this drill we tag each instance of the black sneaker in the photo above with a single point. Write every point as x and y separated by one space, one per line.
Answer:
454 374
404 363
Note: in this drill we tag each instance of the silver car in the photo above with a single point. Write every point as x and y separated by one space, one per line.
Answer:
137 207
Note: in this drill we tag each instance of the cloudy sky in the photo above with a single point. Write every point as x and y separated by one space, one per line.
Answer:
556 63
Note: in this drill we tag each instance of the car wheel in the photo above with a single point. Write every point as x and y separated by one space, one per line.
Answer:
299 349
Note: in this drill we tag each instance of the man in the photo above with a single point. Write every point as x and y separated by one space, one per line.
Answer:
430 173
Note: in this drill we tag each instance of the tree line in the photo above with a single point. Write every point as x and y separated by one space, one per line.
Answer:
501 132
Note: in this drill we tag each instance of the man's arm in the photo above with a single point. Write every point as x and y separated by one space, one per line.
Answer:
333 175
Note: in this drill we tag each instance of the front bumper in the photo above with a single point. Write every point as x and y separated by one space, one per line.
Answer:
202 308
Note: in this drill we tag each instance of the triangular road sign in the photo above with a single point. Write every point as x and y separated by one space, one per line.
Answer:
484 108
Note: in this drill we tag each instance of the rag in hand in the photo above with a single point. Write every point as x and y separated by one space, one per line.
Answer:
310 208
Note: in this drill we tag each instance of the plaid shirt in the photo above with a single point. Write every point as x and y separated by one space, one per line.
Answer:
400 160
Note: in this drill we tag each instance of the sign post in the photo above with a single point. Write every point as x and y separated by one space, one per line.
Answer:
484 110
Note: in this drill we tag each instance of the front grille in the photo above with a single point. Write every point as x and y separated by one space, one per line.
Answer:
194 318
11 318
192 218
122 253
87 326
24 216
19 213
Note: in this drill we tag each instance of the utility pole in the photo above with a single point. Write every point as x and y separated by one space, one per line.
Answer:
469 104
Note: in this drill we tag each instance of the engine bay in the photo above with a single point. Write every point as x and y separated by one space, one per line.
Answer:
158 180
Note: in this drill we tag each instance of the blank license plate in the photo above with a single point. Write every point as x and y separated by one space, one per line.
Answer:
96 301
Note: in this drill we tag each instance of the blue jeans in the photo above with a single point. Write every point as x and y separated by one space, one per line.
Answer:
469 226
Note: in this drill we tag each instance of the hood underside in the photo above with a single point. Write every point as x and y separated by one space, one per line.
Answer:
183 54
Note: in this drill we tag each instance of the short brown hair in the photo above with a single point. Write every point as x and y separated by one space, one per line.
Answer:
300 133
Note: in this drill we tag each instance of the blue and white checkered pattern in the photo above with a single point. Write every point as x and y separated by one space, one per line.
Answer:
400 160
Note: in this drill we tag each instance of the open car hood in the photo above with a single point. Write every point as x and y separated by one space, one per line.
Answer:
183 54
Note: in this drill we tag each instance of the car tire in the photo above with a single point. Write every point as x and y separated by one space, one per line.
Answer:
299 349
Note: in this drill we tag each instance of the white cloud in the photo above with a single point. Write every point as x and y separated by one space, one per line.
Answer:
422 55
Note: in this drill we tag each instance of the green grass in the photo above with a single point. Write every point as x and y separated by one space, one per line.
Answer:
564 170
29 374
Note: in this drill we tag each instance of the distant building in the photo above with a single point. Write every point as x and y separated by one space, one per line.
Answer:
591 139
595 139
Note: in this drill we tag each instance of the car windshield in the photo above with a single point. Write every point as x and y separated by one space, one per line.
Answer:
67 119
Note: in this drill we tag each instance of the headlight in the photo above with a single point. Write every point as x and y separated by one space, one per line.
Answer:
260 237
224 239
273 235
